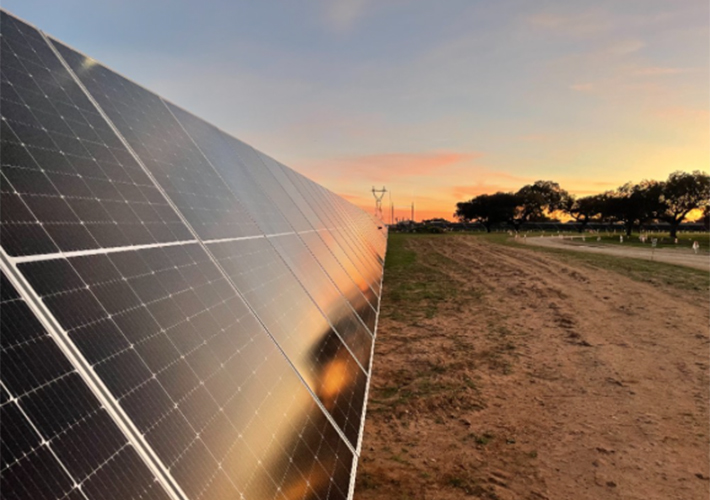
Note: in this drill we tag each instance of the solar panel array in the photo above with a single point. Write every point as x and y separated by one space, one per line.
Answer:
183 317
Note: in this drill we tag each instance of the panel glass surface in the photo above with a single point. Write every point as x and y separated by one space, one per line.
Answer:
351 290
196 373
232 159
326 295
345 283
57 440
165 149
337 206
333 223
68 183
354 222
279 171
298 327
344 235
349 231
343 255
268 182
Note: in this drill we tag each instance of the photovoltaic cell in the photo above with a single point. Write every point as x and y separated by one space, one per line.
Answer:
67 181
57 440
345 232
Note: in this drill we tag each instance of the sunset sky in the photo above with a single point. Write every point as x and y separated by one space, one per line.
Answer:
437 101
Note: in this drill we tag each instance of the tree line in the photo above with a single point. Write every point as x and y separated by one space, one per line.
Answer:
631 204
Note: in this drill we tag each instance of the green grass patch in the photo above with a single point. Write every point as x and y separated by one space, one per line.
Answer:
415 284
480 439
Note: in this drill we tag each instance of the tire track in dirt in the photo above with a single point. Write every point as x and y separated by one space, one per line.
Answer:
556 382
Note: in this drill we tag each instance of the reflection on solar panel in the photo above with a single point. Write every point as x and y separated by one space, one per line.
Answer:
183 317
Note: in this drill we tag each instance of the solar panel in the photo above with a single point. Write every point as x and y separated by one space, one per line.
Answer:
181 316
67 181
57 440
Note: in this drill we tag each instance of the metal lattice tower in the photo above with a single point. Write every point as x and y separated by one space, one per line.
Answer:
378 194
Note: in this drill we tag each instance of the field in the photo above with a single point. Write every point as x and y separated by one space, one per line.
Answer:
507 371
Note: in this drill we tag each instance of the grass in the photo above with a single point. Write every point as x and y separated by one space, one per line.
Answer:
415 283
482 439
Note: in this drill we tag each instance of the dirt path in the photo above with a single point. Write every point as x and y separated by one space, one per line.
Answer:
535 380
682 257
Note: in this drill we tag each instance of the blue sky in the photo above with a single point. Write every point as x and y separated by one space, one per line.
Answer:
439 101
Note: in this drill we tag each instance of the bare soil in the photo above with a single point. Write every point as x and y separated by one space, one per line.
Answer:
506 373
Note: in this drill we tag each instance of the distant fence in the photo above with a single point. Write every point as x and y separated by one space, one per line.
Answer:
445 226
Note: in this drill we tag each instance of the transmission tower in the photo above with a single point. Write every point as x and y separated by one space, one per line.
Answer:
378 194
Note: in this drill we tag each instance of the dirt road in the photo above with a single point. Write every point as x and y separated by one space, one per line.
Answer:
531 378
682 257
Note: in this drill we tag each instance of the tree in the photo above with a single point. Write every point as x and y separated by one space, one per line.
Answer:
633 204
583 209
682 193
535 200
488 209
705 218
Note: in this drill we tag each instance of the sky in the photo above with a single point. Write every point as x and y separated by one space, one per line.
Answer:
436 101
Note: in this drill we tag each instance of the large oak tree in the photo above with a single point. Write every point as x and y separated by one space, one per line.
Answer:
633 204
488 209
583 209
537 200
682 193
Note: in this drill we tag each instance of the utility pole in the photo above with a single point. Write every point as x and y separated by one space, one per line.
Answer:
378 194
412 211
